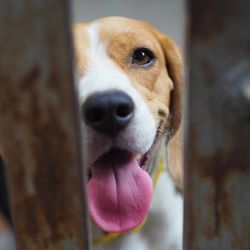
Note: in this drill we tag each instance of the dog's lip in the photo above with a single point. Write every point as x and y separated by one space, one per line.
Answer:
141 159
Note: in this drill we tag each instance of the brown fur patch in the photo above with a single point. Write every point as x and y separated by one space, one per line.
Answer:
81 43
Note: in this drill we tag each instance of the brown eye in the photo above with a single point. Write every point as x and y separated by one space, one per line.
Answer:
143 56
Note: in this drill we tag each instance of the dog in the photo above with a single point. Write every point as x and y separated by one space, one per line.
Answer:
129 80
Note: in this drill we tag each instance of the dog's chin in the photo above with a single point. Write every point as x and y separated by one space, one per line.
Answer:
141 159
99 145
142 156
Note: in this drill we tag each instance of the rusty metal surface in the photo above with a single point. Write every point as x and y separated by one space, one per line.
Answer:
217 181
39 126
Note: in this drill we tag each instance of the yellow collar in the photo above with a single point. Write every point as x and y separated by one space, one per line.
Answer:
107 237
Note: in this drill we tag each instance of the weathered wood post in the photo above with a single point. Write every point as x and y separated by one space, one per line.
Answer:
39 126
217 180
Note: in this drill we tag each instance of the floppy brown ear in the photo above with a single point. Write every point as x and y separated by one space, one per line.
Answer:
175 71
174 67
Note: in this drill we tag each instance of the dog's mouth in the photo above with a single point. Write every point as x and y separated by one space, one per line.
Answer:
119 190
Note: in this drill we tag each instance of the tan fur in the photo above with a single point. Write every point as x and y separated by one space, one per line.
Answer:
175 158
80 44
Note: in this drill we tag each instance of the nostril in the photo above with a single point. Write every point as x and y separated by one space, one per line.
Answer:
124 110
108 112
94 115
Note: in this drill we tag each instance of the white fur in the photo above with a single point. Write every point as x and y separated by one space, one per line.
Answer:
103 74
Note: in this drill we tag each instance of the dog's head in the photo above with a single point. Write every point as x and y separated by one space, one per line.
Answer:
129 89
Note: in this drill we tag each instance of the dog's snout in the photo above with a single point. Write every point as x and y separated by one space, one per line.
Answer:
108 112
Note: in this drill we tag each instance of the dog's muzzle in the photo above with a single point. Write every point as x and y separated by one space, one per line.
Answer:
119 190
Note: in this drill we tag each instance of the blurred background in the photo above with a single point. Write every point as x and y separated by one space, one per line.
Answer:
167 15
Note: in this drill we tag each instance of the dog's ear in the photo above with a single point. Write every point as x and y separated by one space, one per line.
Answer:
174 68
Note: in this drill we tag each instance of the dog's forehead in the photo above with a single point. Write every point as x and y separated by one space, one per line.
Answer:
120 30
114 35
118 25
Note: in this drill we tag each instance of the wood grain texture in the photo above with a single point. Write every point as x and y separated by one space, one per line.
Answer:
217 158
39 126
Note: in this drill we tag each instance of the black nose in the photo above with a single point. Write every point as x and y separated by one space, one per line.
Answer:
108 112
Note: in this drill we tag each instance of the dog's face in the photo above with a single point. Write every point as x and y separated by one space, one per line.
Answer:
129 87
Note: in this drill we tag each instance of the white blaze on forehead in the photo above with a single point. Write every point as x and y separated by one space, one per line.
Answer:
103 74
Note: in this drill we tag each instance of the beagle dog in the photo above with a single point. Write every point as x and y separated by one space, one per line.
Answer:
129 84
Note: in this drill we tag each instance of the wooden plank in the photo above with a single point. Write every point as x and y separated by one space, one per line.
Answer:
39 125
217 176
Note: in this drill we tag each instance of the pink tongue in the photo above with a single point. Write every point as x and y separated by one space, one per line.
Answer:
119 192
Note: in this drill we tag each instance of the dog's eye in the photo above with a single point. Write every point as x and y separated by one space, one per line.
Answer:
142 56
